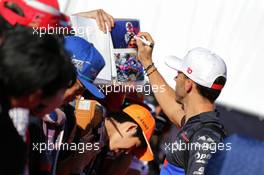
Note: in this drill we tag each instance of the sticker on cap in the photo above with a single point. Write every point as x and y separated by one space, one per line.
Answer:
189 70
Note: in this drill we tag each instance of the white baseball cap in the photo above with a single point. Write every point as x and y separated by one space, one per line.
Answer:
200 65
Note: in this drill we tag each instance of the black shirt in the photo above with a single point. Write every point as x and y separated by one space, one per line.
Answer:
12 147
195 143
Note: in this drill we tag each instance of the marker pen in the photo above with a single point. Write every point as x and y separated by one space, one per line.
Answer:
146 42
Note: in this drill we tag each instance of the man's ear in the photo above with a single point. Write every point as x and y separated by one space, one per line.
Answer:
188 85
131 127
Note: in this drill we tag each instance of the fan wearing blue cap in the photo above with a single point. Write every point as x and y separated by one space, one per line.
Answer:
88 62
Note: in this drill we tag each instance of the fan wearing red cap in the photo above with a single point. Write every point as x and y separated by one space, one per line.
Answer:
43 15
200 78
39 14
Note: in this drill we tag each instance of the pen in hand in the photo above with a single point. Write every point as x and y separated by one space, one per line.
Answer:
146 42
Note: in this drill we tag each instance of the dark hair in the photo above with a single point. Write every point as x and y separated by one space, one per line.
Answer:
1 27
122 117
211 94
29 63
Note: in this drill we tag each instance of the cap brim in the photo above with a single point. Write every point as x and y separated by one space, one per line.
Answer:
135 101
174 62
91 88
144 154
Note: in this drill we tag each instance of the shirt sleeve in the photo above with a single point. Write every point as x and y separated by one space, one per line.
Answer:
202 145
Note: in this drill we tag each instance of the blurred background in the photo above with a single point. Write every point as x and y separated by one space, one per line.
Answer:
230 28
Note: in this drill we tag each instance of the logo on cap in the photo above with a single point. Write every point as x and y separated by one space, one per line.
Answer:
143 122
189 70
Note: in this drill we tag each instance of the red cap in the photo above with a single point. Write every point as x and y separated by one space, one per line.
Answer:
37 13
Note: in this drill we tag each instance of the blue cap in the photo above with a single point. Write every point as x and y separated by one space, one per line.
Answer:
87 60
